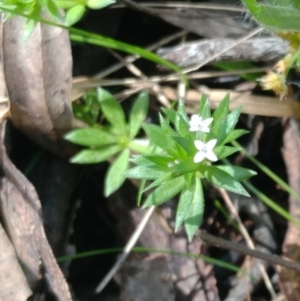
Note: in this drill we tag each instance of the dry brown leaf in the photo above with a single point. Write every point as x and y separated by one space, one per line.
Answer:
38 76
14 285
21 210
207 23
290 280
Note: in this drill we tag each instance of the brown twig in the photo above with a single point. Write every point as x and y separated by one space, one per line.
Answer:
225 244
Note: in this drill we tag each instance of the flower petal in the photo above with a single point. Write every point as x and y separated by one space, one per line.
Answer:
211 144
196 118
211 156
207 121
193 128
199 157
199 144
205 129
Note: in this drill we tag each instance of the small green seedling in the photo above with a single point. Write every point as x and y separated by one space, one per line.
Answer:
117 137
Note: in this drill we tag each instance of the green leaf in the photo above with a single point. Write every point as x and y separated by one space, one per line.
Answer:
165 192
225 151
65 4
185 166
92 156
140 160
162 179
222 179
74 14
204 108
92 137
220 113
171 115
138 113
239 173
144 172
166 126
97 4
186 144
181 111
112 110
181 126
228 124
279 15
115 175
194 215
234 134
54 11
158 137
28 29
162 161
185 200
99 40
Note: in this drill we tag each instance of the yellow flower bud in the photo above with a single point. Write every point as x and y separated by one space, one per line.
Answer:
276 82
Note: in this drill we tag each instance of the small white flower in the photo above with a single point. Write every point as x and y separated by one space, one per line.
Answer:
205 150
198 124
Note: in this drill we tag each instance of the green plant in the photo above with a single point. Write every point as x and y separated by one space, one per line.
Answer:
116 137
35 9
182 156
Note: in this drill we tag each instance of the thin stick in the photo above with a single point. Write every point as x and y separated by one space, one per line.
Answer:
130 244
132 58
237 42
89 83
187 5
229 245
248 239
156 89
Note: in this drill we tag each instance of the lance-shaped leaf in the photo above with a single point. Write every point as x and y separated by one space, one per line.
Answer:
234 134
228 124
112 110
138 113
92 137
225 151
239 173
194 215
165 192
115 176
92 156
204 109
222 179
144 172
163 141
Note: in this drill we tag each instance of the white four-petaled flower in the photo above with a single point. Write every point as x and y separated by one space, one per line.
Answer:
205 150
198 124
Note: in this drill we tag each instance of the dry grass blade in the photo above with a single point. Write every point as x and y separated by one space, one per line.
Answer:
156 89
130 244
251 104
